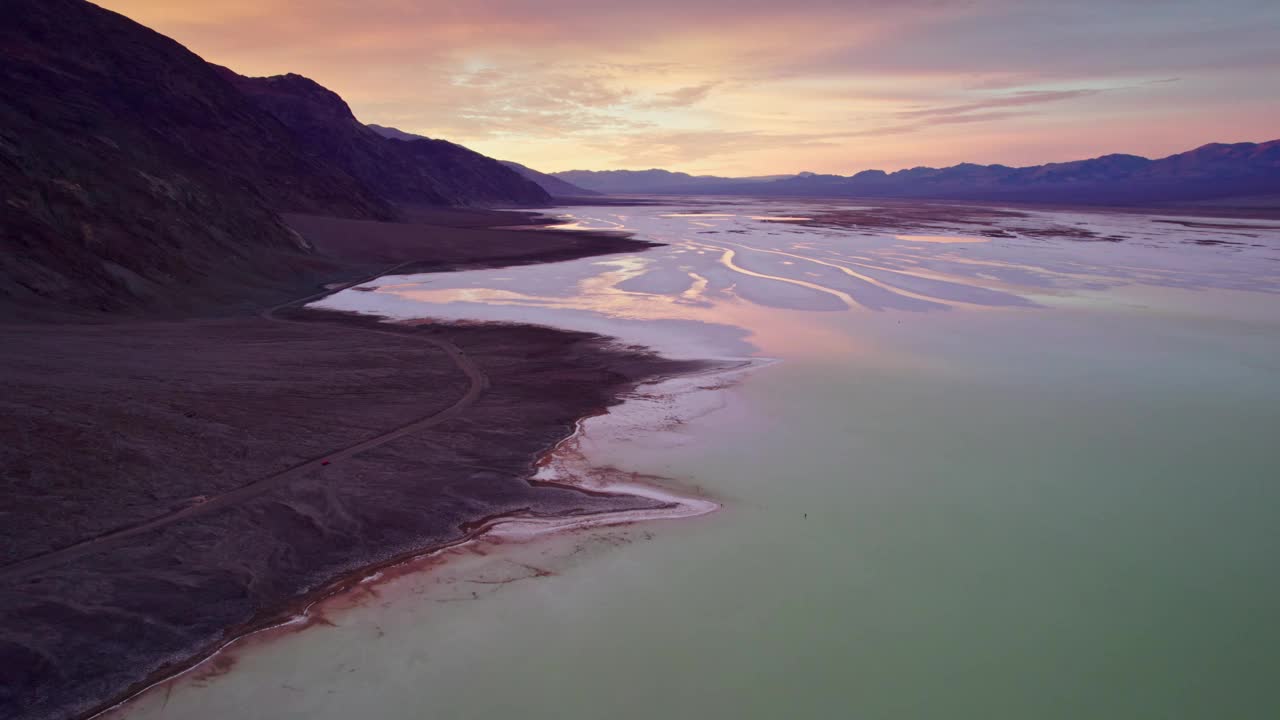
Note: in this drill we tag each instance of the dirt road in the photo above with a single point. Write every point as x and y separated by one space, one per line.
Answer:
478 382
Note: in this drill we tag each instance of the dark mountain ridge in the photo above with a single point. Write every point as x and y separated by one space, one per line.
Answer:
419 170
130 167
1209 172
554 186
127 163
653 180
395 133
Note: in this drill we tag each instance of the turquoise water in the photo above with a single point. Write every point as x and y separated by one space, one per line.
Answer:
998 478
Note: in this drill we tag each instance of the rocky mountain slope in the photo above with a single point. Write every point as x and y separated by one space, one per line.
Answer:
127 163
130 167
395 133
554 186
417 171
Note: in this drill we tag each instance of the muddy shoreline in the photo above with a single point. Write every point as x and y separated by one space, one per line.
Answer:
297 616
482 536
120 421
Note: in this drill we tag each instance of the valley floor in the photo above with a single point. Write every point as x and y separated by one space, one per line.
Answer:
131 543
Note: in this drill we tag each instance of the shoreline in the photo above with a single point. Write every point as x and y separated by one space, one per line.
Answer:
169 598
299 617
365 589
1268 210
548 470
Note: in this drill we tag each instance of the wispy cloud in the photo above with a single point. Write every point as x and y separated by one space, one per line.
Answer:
761 87
685 96
1017 99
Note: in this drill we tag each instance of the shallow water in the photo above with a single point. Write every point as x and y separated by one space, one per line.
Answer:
988 477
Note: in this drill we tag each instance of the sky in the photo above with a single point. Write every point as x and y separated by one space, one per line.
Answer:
749 87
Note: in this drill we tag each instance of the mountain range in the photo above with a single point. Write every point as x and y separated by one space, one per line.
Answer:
624 182
129 165
557 187
1209 172
553 185
417 171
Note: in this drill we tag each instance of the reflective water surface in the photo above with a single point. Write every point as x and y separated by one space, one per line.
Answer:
1020 469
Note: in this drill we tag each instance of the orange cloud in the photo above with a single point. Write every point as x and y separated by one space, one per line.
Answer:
756 87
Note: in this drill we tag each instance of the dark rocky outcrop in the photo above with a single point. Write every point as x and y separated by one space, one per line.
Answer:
421 171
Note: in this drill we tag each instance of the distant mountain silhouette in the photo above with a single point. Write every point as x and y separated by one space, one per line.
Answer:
653 181
129 165
1210 172
553 185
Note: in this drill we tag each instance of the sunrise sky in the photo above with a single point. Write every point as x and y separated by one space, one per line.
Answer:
753 87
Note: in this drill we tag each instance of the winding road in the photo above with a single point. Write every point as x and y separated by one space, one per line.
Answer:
478 383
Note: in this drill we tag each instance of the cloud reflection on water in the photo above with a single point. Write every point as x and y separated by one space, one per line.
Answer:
719 262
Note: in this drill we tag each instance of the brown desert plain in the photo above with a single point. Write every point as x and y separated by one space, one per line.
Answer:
176 482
